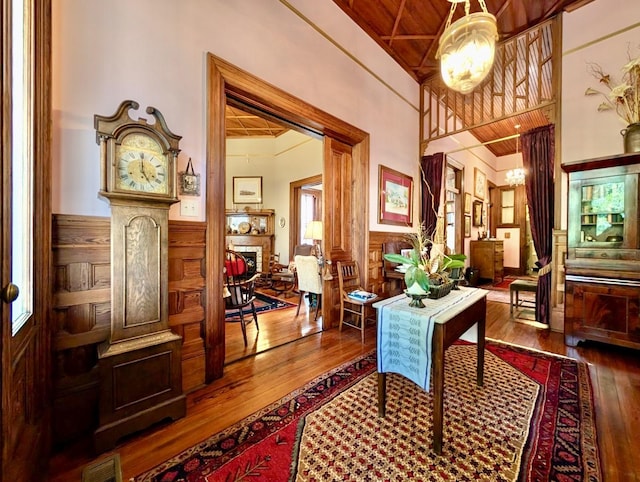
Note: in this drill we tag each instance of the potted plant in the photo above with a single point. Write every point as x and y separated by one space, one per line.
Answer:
426 268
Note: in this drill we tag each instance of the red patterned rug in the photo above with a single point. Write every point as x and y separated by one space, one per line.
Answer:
532 421
504 283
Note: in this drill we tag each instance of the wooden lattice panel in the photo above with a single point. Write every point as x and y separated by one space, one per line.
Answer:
521 89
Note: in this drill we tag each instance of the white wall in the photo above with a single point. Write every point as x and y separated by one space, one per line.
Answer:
289 157
154 52
471 159
611 32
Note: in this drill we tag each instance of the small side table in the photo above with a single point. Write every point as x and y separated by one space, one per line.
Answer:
283 282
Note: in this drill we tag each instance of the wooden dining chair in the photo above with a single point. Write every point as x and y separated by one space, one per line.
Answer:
356 310
240 290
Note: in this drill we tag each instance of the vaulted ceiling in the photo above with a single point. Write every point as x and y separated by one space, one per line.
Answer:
409 31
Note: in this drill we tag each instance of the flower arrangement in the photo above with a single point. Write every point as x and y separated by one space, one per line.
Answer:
425 266
623 96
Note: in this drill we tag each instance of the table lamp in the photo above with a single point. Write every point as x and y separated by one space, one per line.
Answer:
314 232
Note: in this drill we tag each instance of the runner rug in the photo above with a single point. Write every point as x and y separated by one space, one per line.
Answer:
263 303
533 420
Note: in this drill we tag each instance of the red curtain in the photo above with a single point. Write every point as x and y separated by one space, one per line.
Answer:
538 151
431 168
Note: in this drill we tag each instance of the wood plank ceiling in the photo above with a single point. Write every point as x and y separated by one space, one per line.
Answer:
409 30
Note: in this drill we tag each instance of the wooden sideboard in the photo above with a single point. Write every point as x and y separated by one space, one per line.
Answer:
487 255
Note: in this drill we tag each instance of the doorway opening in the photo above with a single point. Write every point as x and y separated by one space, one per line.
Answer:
345 168
262 146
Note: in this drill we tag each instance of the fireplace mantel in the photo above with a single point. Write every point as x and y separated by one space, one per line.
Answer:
263 241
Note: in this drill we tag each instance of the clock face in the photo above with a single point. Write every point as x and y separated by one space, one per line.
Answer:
141 165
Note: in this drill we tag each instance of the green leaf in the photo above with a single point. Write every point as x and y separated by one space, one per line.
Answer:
453 261
416 275
397 258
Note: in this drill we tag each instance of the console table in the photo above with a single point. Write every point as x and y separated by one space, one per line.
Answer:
410 340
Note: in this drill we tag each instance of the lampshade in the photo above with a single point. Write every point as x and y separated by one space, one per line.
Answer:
314 231
467 48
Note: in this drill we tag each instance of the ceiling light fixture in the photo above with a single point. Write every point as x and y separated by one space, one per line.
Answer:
467 48
515 177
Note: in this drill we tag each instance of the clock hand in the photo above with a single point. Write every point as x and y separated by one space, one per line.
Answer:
144 173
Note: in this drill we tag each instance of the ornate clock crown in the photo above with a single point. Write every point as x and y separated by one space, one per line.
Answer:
136 176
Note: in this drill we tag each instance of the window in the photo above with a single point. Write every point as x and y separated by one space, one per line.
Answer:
22 158
453 209
508 206
310 202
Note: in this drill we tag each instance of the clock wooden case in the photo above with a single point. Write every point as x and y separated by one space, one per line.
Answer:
140 363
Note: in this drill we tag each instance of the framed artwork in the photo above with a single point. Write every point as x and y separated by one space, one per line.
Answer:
247 190
479 184
467 203
395 192
477 213
467 226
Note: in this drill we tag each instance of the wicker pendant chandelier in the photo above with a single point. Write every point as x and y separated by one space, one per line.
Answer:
467 48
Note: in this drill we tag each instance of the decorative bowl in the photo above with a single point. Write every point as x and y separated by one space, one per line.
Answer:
416 299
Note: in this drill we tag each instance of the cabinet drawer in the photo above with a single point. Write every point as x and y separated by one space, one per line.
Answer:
603 312
630 254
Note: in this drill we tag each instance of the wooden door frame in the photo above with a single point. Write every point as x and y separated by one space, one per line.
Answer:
226 80
34 340
295 189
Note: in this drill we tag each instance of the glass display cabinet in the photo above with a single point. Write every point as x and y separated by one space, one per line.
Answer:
602 282
602 211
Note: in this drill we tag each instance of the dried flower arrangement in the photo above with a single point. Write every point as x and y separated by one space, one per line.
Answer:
623 96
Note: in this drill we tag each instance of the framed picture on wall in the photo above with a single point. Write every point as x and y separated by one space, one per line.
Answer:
395 192
477 213
467 203
479 184
247 190
467 226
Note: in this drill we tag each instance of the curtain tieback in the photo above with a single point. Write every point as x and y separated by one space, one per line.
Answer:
544 270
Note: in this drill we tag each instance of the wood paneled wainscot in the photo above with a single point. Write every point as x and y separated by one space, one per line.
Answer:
377 281
602 281
82 312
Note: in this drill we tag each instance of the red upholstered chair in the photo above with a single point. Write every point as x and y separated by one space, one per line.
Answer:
235 264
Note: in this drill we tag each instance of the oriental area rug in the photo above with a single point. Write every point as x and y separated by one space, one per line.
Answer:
263 303
533 420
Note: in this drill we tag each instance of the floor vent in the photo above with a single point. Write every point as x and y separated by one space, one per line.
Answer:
105 470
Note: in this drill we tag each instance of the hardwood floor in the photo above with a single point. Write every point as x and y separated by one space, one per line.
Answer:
277 327
253 382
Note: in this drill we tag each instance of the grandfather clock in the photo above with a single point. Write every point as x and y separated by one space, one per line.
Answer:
140 363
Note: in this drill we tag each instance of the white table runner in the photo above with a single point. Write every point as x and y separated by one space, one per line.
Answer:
405 333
